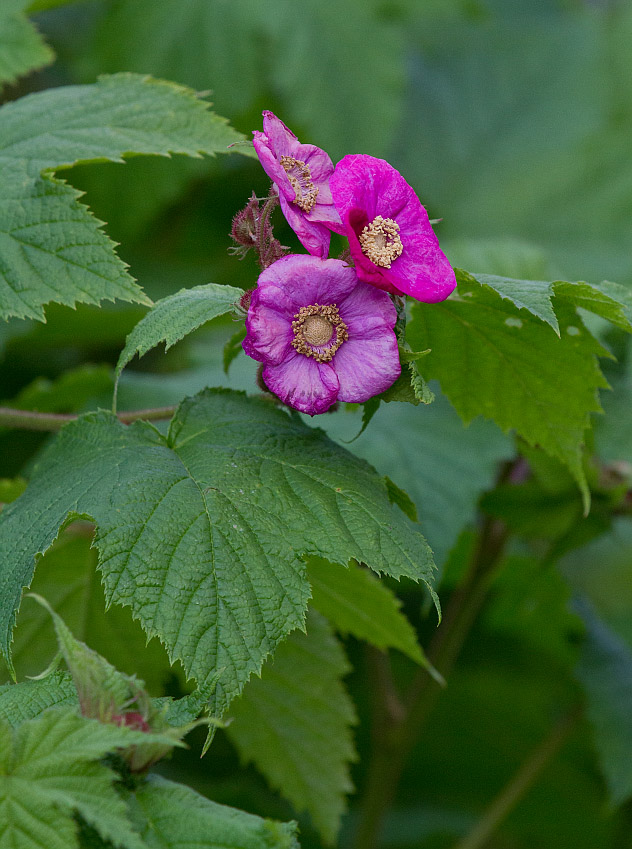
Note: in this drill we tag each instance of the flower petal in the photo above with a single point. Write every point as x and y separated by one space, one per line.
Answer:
305 280
282 139
364 187
303 383
366 309
272 166
367 366
314 237
312 227
270 335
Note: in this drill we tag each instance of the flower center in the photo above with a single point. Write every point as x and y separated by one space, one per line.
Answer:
380 241
319 332
299 175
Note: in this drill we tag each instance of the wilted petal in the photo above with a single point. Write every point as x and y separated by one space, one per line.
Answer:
311 218
314 237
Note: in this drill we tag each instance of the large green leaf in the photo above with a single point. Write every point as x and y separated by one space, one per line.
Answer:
505 363
52 248
170 816
49 771
172 318
294 723
203 532
359 604
21 47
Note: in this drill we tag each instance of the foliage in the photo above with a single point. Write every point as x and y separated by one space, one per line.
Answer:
54 249
21 47
294 723
268 571
229 553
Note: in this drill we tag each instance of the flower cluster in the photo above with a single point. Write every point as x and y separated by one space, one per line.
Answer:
321 333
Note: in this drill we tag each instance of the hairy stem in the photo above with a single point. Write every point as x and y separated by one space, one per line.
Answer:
395 735
520 783
31 420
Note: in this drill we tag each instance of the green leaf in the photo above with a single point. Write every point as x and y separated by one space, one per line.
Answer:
102 690
294 723
67 577
170 816
19 702
21 46
605 671
533 295
202 533
49 771
504 363
609 300
357 603
410 388
172 318
52 248
442 465
402 499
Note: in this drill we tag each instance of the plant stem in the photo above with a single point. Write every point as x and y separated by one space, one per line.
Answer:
520 783
394 739
31 420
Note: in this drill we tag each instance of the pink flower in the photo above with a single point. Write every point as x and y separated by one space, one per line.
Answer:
300 173
321 334
390 236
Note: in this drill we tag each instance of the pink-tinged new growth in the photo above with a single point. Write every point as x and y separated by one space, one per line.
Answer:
300 173
390 236
321 334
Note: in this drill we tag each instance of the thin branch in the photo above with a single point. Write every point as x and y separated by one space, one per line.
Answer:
394 744
520 783
31 420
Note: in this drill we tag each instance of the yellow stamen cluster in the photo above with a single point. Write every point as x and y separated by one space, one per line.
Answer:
316 326
300 178
380 241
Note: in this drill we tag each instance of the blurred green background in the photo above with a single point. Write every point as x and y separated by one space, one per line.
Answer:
513 121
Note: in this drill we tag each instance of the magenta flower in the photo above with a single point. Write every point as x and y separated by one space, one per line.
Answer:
390 236
300 173
321 334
